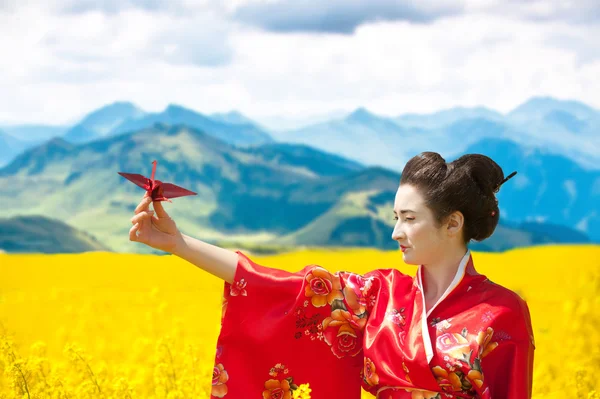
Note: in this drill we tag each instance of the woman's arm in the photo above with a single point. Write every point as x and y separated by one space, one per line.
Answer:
215 260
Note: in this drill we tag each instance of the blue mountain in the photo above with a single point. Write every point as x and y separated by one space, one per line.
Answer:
548 188
34 134
9 147
237 134
18 138
275 193
361 135
233 118
566 121
537 108
101 122
569 128
446 117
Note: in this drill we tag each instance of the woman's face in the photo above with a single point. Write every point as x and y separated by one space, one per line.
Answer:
415 228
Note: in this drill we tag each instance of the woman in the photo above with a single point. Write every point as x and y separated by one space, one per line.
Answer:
448 332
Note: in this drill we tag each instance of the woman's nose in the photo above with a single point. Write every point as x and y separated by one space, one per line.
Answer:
397 234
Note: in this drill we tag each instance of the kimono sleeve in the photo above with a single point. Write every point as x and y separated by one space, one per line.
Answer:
508 370
361 293
507 365
281 329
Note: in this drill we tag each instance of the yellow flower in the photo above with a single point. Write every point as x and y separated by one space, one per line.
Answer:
303 392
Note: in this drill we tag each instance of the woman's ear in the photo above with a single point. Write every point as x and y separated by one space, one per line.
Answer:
455 223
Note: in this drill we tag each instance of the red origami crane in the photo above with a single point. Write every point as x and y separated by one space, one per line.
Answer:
158 190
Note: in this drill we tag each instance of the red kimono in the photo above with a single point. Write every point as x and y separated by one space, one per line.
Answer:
338 332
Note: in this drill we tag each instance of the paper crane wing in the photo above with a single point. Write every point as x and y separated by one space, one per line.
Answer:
170 190
158 190
138 179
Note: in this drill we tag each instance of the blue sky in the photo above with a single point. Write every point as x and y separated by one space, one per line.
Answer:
293 58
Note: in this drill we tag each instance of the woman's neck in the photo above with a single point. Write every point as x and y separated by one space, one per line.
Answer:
437 277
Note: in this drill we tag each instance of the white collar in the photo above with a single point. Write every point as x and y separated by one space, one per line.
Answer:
460 273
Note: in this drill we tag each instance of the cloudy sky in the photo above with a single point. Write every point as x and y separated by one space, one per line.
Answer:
63 58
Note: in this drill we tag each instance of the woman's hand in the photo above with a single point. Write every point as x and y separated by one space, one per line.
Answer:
157 231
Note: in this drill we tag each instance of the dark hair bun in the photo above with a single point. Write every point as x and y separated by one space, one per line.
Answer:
467 184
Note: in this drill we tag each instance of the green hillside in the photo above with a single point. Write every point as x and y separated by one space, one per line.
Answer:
44 235
266 196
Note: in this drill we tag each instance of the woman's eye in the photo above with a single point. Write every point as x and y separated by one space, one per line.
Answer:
396 218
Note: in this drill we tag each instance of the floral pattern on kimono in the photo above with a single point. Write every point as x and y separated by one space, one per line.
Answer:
311 320
475 342
340 331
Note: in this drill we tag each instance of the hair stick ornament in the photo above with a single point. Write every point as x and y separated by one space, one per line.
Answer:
501 183
504 181
156 189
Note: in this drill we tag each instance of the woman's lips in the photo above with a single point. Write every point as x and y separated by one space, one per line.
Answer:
403 248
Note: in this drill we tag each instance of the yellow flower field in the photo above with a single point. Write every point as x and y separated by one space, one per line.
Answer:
103 325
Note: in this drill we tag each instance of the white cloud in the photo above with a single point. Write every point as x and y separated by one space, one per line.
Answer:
64 64
576 12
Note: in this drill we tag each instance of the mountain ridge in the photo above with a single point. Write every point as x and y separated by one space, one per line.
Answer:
272 193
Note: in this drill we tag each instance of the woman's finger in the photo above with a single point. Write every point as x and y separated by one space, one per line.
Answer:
136 218
133 232
160 211
141 216
143 205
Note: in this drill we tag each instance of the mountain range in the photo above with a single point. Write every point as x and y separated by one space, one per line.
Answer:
265 192
566 128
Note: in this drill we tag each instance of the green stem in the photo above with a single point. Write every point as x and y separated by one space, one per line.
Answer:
24 380
64 389
14 360
172 367
91 372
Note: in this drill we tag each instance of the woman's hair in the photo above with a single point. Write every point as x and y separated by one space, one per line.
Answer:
467 184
